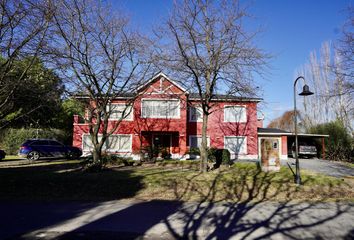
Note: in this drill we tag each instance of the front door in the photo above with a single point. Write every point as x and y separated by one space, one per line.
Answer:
162 145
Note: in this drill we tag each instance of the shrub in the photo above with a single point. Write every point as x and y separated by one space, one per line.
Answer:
223 156
339 145
194 151
12 138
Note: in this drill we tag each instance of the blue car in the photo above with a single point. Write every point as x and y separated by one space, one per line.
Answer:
34 149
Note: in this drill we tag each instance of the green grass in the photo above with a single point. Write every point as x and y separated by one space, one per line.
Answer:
11 157
242 182
350 164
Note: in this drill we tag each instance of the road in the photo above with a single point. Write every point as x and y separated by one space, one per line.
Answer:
131 219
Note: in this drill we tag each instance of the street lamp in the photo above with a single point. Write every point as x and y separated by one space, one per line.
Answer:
305 92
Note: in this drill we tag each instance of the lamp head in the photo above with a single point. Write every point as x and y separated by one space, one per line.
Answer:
305 91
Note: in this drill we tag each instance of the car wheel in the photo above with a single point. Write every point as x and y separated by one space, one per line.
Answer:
33 156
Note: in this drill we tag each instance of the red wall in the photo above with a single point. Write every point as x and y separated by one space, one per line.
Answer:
182 128
217 128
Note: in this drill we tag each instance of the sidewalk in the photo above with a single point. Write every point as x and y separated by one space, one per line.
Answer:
131 219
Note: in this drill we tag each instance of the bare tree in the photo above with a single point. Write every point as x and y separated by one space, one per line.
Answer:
100 58
331 100
23 28
207 47
345 48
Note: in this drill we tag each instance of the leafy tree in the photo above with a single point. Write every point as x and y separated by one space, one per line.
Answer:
339 145
23 33
36 101
64 119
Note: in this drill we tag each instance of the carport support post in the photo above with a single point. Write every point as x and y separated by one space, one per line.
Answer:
323 148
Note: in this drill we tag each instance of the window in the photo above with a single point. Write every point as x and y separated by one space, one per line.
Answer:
195 114
235 114
121 143
160 108
196 141
236 145
119 111
115 142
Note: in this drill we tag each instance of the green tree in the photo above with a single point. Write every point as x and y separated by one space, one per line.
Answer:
23 34
339 145
37 100
64 120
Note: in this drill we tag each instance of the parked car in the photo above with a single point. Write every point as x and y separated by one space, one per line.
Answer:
2 154
34 149
306 149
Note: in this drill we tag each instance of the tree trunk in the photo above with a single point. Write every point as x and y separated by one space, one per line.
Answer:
204 145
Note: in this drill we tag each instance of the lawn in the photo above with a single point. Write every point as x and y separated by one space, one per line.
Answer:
241 182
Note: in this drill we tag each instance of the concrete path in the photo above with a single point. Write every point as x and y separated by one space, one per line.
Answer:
131 219
335 169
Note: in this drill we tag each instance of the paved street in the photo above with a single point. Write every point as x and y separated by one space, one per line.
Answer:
128 219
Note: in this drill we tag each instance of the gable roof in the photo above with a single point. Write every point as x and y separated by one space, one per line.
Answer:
161 74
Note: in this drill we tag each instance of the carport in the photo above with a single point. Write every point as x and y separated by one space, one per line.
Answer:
285 140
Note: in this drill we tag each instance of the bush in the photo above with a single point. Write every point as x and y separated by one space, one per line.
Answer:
194 151
12 138
111 159
222 156
339 145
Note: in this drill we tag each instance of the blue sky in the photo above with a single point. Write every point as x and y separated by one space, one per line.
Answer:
291 29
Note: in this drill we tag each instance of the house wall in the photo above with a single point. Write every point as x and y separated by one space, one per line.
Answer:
284 150
218 129
180 128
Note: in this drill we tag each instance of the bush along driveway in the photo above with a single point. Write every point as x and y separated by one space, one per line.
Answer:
330 168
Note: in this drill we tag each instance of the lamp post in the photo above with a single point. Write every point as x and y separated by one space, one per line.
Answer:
305 92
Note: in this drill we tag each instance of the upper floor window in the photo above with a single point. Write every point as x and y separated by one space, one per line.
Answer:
235 114
160 108
120 111
195 114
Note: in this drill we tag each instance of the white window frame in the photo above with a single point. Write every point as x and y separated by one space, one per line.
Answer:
240 106
104 147
164 100
197 109
128 118
198 136
244 142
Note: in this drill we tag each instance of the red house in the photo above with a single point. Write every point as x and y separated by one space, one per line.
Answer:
167 117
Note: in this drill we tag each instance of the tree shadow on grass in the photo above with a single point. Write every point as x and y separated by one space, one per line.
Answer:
36 197
243 204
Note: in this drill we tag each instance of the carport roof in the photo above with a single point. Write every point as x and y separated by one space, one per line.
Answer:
279 132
